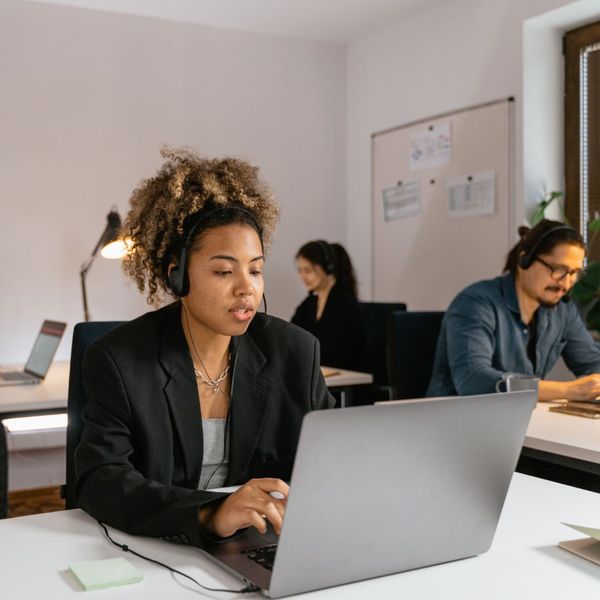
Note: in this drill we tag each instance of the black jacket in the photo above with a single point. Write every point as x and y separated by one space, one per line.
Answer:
139 460
340 330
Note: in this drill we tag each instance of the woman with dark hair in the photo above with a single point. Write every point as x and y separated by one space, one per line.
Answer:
521 322
206 391
331 311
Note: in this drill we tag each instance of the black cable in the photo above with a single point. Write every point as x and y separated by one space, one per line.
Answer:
247 590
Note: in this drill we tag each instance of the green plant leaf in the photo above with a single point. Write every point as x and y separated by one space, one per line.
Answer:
586 289
540 211
593 317
538 215
553 196
594 225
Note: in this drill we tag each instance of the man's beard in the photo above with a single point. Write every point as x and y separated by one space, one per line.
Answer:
546 304
552 303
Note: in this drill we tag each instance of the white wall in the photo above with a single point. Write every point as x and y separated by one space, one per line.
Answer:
87 99
448 56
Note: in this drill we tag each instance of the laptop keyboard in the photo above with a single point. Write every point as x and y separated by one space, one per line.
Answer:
264 556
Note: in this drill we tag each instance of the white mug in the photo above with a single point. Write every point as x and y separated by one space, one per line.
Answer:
516 382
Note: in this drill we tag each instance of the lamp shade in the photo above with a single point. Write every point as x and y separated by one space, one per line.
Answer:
112 230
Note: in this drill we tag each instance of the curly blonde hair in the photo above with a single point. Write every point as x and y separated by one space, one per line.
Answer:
161 207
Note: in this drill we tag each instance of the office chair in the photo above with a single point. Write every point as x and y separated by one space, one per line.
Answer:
375 316
3 473
83 335
412 341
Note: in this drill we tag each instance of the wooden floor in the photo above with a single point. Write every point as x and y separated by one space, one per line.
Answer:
34 501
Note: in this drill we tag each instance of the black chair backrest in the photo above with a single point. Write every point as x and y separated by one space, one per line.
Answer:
413 338
83 335
3 473
375 315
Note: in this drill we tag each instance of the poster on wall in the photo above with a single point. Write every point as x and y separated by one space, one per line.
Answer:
402 200
430 147
471 195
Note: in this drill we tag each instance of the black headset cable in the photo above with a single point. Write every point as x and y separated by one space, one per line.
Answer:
246 590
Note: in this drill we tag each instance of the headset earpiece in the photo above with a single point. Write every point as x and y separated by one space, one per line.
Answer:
178 278
328 256
523 262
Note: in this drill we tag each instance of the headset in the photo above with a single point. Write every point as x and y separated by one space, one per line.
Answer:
527 259
328 256
177 278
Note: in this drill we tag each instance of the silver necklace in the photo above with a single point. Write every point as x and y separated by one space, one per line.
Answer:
208 380
214 383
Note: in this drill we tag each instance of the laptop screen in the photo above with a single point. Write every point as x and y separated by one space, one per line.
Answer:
44 348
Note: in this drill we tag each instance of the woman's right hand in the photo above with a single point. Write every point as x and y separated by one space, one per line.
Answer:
249 506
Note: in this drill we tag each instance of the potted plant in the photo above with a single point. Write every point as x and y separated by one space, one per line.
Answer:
587 290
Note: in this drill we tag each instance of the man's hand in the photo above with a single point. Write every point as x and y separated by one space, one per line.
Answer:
584 388
250 506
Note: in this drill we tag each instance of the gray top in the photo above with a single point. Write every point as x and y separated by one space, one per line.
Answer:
215 459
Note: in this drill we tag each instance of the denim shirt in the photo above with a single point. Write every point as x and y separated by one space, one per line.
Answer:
482 337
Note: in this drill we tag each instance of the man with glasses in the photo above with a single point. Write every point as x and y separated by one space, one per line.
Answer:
521 322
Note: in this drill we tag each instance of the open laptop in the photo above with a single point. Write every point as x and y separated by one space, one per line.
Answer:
41 356
381 489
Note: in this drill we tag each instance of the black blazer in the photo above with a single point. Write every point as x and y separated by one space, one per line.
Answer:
139 461
340 330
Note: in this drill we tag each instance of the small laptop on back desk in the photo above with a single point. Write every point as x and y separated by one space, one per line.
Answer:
41 356
387 488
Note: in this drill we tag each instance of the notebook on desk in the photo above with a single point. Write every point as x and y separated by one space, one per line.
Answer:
381 489
40 358
591 410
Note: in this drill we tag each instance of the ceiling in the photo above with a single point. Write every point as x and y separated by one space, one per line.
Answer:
337 21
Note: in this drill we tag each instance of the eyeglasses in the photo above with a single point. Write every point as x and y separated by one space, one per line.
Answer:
559 273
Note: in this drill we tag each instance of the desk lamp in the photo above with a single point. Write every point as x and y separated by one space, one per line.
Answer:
111 245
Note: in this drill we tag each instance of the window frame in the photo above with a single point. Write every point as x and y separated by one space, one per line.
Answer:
577 44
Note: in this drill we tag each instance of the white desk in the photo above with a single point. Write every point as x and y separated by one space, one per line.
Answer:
345 378
52 392
48 395
523 563
566 435
561 447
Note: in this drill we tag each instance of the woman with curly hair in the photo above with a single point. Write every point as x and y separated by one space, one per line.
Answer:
206 391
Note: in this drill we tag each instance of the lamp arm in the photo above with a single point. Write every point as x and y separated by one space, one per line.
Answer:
86 312
87 263
83 270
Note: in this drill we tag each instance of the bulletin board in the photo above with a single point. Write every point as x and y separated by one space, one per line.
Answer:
442 204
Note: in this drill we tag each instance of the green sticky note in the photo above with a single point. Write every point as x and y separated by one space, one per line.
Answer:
100 574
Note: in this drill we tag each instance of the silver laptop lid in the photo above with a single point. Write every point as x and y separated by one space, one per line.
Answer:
387 488
44 349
